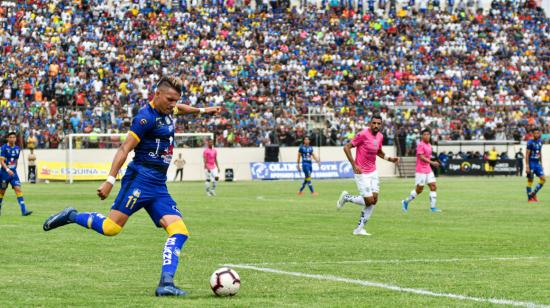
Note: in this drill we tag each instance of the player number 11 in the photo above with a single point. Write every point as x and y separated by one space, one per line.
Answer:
131 202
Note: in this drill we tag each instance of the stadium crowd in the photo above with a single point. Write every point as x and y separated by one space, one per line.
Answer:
87 67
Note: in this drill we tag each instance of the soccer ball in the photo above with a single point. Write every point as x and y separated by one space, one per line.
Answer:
225 281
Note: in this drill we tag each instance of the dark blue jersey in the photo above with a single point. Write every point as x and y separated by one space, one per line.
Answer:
535 149
11 155
155 132
306 152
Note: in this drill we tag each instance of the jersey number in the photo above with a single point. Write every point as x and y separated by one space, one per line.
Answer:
131 202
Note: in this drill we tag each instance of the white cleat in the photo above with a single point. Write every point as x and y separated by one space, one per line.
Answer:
361 232
340 203
212 193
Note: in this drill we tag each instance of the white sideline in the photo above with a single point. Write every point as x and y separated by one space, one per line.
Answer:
397 261
392 287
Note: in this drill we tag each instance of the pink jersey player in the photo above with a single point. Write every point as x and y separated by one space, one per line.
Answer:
210 155
425 149
367 146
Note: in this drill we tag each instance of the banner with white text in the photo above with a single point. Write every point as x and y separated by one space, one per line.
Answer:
289 171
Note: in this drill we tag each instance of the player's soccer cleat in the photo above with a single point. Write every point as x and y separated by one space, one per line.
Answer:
212 193
300 193
315 194
341 201
361 231
27 213
405 206
532 200
60 219
169 290
435 210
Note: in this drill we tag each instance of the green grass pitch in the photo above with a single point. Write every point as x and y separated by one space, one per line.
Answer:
488 243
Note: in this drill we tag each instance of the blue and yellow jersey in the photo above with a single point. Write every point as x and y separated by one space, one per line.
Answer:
535 149
307 153
155 133
11 155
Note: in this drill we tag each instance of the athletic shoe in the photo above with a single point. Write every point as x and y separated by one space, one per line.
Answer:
169 290
340 203
435 210
361 232
59 219
212 193
315 194
405 206
27 213
300 193
532 200
535 198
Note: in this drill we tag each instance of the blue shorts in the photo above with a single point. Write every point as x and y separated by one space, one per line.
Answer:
307 169
140 191
6 179
536 169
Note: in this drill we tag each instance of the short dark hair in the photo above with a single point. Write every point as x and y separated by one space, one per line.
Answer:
170 82
12 134
426 130
535 129
376 116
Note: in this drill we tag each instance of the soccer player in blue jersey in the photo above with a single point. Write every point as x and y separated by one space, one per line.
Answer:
9 154
151 137
533 162
305 154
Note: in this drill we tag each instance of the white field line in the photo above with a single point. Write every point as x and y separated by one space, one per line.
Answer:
496 301
397 261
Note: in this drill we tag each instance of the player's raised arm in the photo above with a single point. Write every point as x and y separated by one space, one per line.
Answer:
182 109
382 155
120 157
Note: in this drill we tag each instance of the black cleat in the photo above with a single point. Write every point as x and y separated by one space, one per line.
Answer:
60 219
27 213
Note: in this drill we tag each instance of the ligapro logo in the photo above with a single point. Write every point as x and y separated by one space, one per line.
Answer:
259 170
344 167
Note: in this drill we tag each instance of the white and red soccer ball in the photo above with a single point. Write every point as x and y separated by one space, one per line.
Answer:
225 282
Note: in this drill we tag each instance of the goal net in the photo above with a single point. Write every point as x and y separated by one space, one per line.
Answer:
89 156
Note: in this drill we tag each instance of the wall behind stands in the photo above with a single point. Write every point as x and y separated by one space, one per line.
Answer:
236 158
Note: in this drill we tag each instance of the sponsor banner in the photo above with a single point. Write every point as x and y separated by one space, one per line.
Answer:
56 170
289 171
480 167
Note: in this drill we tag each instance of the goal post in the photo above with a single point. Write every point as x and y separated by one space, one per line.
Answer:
77 143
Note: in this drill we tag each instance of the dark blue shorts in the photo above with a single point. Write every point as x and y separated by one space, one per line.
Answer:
138 191
7 180
307 169
536 169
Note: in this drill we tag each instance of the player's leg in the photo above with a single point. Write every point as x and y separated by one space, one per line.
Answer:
433 197
164 212
542 179
215 179
420 180
360 181
207 184
16 185
308 170
304 182
529 188
2 192
370 196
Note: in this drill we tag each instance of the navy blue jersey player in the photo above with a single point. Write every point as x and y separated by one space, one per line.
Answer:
9 155
305 154
534 165
151 137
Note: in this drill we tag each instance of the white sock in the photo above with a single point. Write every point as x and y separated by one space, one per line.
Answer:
433 199
359 200
365 216
207 186
214 184
411 196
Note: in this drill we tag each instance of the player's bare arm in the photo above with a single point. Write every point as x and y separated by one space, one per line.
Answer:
382 155
318 160
349 155
217 166
427 160
182 109
299 160
120 157
3 162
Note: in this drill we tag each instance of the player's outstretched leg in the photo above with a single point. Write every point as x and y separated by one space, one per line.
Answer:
405 202
365 215
539 186
346 197
341 200
95 221
177 235
59 219
21 201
